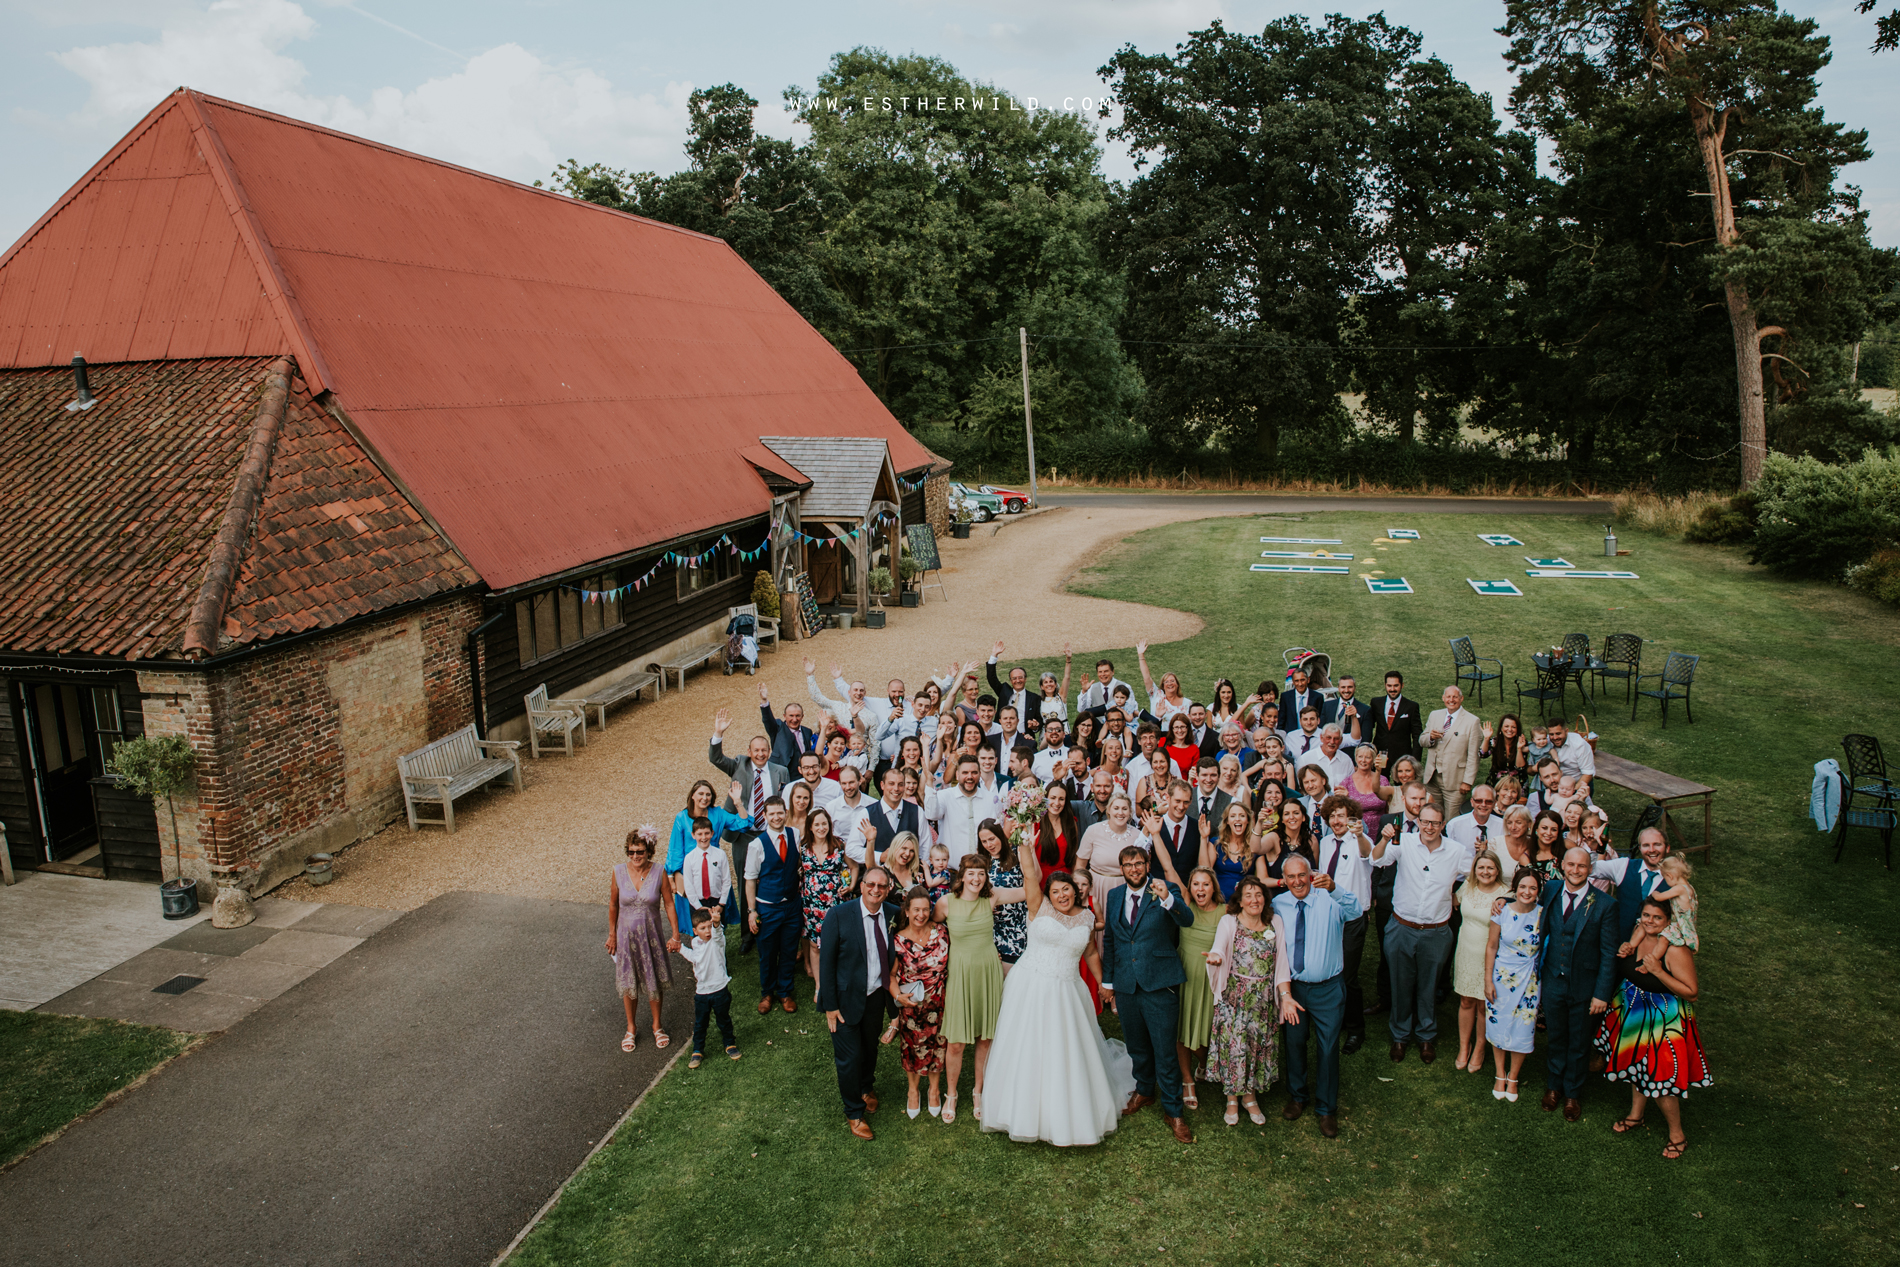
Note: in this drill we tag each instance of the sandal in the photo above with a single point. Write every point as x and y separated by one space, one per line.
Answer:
1497 1090
1188 1097
660 1039
1510 1095
976 1112
1253 1110
1628 1124
889 1034
1232 1115
950 1108
629 1042
1675 1148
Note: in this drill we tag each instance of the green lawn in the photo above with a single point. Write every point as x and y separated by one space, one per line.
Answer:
56 1068
1793 1155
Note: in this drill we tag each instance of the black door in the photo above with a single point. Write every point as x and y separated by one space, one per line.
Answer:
61 764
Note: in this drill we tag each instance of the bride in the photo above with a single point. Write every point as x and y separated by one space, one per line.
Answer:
1052 1076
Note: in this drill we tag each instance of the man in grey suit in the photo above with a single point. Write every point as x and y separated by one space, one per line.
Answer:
1141 980
1577 966
759 778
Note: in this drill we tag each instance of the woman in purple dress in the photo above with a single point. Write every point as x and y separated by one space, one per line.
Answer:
635 915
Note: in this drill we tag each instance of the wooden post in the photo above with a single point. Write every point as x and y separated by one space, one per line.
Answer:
1029 428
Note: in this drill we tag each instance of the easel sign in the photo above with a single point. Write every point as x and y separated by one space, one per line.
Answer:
1388 585
1402 534
923 548
1495 589
1499 539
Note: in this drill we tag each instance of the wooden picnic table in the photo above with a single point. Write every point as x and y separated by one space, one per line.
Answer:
1667 791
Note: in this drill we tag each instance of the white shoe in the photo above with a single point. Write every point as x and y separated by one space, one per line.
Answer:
935 1109
911 1113
1496 1094
1510 1095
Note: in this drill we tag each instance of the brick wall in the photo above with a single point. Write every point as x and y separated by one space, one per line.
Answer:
297 748
937 504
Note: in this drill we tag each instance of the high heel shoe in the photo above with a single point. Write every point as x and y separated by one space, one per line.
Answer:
1497 1091
950 1108
1253 1111
911 1113
936 1109
1510 1095
1232 1115
976 1101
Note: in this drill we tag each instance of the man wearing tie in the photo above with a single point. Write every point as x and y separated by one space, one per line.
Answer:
1015 693
1577 965
883 820
1310 916
1395 721
758 778
1353 716
790 739
1141 980
772 891
1209 801
1635 879
1451 763
1298 696
1177 833
1345 863
854 972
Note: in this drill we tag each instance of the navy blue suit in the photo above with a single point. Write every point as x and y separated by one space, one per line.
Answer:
1577 963
789 743
1140 963
781 914
844 965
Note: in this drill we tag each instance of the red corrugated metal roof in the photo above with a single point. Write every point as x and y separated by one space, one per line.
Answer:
556 382
766 460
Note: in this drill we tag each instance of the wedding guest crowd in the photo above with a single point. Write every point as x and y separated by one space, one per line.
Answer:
1275 837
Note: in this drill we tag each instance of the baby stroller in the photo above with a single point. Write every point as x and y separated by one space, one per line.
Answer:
742 644
1317 665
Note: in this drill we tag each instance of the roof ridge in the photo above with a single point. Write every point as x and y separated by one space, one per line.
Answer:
270 274
438 162
247 492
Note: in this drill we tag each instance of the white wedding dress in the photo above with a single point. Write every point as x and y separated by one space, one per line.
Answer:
1051 1075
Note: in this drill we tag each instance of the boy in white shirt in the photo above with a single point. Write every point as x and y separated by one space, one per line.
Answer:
705 877
712 993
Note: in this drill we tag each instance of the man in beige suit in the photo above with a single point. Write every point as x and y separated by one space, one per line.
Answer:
1452 737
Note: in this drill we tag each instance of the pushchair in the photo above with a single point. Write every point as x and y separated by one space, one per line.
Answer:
1317 665
742 644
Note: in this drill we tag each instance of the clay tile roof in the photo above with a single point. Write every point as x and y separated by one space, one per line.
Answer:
119 506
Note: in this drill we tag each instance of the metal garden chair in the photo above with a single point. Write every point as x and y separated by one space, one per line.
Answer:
1622 658
1577 647
1673 683
1867 780
1467 667
1550 687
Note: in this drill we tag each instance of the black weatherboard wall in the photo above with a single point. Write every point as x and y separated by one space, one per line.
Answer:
16 794
127 826
650 618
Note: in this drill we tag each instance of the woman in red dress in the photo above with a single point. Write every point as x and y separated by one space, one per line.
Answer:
1057 835
1183 753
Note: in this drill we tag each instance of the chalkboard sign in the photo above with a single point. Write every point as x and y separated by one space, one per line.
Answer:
808 614
923 547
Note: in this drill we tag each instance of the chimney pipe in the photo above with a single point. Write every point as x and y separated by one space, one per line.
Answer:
86 399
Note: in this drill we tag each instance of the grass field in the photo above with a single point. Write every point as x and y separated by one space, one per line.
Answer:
56 1068
1794 1153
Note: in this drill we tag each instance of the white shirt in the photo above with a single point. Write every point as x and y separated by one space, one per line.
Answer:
708 957
1338 767
1047 759
956 816
1572 898
873 962
1421 891
755 854
1353 873
1138 768
1615 869
1142 894
1465 830
1299 744
1097 695
844 817
1576 756
693 874
1164 711
824 794
872 812
1344 720
1019 700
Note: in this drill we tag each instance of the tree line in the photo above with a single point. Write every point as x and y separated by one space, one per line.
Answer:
1322 215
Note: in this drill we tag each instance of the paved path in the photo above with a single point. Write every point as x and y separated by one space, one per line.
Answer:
214 977
62 930
1187 505
414 1102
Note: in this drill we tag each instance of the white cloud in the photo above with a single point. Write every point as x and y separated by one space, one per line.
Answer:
506 111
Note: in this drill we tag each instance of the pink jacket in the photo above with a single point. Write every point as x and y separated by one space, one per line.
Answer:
1224 947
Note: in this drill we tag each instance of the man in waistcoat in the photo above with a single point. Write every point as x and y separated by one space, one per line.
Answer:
772 892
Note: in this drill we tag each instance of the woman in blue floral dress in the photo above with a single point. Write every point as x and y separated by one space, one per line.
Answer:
1512 986
1011 927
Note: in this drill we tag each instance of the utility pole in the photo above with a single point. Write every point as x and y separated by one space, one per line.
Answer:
1029 427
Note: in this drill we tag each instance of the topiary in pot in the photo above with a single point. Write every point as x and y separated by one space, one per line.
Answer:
765 594
880 582
155 768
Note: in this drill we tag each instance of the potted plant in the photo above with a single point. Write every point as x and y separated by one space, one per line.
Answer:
960 525
155 768
880 582
765 595
908 571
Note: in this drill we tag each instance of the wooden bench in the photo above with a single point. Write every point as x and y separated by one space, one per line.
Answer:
1667 791
686 660
626 688
452 766
551 719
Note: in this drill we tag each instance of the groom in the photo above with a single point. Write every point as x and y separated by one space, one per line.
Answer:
1141 979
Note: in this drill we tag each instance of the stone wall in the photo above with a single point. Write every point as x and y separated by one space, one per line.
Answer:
937 504
297 748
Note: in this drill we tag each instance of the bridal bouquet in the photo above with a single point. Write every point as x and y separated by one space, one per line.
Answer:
1022 811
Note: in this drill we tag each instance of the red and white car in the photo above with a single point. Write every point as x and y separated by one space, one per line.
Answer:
1013 502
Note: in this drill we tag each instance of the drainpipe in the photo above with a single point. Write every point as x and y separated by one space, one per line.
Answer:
473 644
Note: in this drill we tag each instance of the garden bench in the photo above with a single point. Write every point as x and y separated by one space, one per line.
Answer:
551 719
767 626
626 688
456 764
685 660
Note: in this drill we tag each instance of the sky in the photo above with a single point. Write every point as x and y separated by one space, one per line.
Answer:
515 88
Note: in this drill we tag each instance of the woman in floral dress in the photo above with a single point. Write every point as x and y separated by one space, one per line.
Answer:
919 977
1012 922
1243 1052
825 878
641 930
1512 987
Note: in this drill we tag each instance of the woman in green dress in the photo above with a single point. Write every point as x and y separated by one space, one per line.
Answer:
975 992
1197 996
